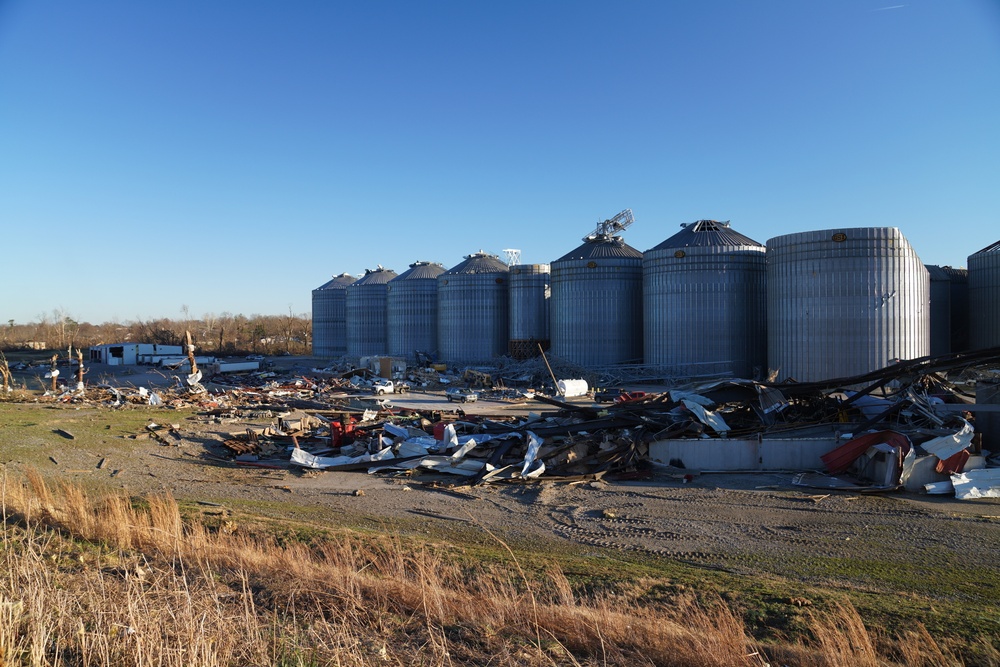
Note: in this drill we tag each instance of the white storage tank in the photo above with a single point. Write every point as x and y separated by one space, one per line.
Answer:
529 309
844 302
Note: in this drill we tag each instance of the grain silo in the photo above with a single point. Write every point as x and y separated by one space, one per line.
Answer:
329 318
595 309
411 313
366 313
704 295
984 298
529 309
940 309
959 281
473 300
843 302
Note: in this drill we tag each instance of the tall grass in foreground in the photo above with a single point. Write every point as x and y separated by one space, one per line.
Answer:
97 581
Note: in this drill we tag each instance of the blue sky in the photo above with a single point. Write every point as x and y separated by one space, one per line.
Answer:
231 156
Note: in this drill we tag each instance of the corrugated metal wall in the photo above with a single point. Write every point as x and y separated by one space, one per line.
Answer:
596 305
704 296
959 281
984 298
473 310
329 318
845 301
529 309
411 315
366 313
940 309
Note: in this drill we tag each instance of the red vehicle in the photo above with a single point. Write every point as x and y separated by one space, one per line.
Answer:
626 396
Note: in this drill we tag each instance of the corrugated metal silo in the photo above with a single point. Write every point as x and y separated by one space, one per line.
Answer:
959 281
366 313
984 298
473 300
411 313
529 309
843 302
940 309
329 318
704 302
595 309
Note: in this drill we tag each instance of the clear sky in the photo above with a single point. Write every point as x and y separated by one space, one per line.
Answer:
232 155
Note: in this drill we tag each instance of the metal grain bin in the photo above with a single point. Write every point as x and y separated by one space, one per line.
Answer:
329 318
959 281
411 313
843 302
704 294
366 313
984 298
473 300
940 309
595 309
529 309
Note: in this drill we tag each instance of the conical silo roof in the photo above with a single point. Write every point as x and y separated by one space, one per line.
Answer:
379 276
478 262
421 271
707 233
601 247
338 282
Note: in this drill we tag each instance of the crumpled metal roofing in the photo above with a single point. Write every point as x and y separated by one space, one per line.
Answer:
604 247
421 271
479 262
338 282
379 276
707 233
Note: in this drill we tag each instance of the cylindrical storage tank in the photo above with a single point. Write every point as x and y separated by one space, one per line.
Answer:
329 318
411 313
843 302
529 309
984 298
704 295
473 300
959 281
366 313
940 309
595 309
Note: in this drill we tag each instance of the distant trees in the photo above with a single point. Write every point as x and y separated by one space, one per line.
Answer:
220 334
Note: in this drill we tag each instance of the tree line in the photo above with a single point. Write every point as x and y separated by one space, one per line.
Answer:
224 334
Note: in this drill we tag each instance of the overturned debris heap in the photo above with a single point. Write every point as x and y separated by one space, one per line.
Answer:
909 426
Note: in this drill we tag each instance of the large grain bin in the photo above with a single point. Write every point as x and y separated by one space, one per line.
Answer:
940 295
529 309
704 302
844 302
959 281
984 298
595 309
366 313
411 313
329 317
473 300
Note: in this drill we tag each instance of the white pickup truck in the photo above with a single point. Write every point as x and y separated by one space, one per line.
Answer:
382 387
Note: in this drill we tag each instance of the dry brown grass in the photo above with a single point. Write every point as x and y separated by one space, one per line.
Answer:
100 581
